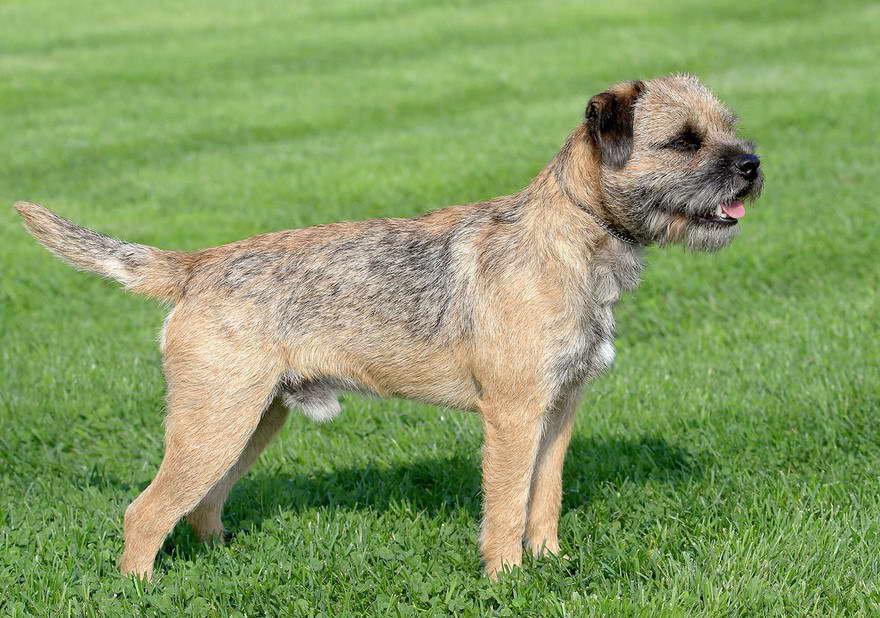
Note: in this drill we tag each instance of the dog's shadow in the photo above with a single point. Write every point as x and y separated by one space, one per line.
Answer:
440 484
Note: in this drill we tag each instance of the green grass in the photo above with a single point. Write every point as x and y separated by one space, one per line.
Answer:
729 464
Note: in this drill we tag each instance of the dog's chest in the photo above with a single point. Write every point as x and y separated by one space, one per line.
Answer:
589 350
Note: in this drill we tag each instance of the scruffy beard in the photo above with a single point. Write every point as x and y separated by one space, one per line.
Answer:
667 229
690 210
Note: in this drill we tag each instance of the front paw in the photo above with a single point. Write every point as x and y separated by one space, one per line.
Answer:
543 546
497 566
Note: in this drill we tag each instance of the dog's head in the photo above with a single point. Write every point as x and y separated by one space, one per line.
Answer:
672 168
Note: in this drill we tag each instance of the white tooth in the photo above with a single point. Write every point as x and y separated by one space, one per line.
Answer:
718 211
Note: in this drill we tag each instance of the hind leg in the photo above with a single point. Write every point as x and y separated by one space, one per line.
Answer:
205 519
213 412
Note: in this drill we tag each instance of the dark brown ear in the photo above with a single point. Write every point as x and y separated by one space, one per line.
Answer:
610 122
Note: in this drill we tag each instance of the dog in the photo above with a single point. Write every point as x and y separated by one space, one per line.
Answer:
501 307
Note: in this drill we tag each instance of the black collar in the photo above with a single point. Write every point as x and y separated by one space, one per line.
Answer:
617 231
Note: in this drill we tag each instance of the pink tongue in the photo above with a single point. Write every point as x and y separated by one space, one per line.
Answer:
734 209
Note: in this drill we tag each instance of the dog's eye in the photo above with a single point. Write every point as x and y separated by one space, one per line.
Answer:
686 142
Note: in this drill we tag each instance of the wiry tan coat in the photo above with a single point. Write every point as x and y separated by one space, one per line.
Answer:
501 307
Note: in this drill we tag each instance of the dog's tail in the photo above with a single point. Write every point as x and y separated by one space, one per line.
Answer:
140 268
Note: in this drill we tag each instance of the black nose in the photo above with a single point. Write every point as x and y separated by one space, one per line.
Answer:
747 166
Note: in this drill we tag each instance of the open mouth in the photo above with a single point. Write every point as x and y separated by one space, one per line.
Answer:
725 214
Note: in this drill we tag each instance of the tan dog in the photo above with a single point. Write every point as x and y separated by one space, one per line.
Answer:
501 307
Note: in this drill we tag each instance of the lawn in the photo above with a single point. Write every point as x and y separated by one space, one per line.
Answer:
728 464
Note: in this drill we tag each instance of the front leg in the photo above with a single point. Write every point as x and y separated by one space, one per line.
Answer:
512 437
545 497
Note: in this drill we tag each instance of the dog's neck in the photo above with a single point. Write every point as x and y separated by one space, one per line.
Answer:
564 218
578 181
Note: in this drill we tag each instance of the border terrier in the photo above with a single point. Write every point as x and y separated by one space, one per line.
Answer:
501 307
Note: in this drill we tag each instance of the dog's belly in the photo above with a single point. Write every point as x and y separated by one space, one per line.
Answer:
435 375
